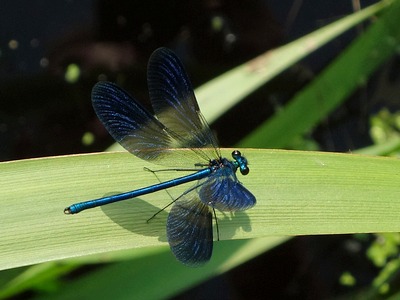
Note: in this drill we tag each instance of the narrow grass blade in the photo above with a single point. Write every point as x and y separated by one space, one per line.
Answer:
349 71
239 82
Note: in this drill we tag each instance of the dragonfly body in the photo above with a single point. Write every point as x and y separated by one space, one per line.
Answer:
78 207
178 124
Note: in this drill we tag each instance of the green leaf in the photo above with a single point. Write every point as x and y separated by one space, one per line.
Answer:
298 193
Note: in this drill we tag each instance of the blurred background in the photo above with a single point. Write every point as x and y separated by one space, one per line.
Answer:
53 52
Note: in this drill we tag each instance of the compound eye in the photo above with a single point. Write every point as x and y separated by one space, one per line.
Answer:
236 154
245 171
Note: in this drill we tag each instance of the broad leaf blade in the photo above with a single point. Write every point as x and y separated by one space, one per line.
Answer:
298 193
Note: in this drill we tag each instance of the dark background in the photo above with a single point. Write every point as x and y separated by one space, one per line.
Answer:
42 114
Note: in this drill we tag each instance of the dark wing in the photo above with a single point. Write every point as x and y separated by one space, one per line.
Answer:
189 230
129 123
175 104
135 128
222 191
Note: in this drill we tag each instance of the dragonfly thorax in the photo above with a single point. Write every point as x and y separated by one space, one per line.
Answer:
238 162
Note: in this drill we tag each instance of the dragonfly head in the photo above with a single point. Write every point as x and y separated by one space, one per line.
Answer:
240 162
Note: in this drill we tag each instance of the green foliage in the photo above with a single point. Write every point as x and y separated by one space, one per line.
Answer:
331 88
385 127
